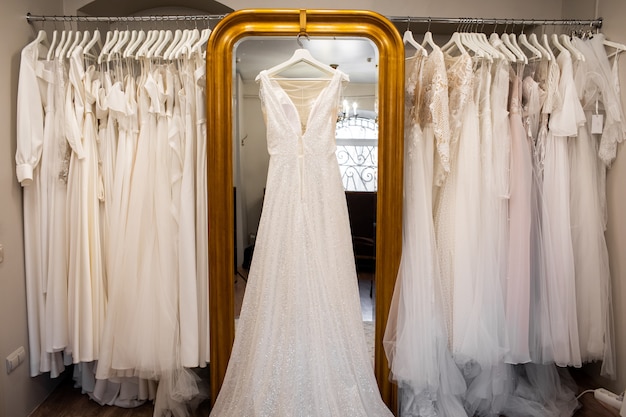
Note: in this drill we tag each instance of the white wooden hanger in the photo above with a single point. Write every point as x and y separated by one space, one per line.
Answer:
470 40
513 40
556 43
204 38
117 48
95 39
301 55
567 43
52 45
165 42
145 47
535 42
57 51
455 41
160 39
178 34
176 51
488 47
42 37
428 41
408 38
66 45
523 41
111 40
546 45
497 43
134 34
189 42
619 47
77 37
129 52
62 42
85 40
519 55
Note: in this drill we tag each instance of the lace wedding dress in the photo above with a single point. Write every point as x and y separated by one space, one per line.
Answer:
300 348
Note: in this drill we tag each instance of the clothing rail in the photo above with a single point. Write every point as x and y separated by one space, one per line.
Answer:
112 19
594 23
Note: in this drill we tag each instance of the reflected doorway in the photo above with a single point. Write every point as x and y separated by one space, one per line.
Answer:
357 148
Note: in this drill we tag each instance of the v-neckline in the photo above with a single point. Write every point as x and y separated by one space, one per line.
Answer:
275 85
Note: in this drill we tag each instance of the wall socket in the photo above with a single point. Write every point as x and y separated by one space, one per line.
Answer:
15 359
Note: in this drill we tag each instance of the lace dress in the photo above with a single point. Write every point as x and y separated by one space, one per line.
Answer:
416 341
300 348
460 76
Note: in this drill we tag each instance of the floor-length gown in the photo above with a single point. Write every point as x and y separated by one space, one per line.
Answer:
564 123
416 341
518 274
86 292
593 279
460 75
32 110
300 348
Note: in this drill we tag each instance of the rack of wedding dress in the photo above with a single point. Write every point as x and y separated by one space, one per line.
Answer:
111 152
504 271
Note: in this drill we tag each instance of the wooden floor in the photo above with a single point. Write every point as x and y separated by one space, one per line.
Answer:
67 401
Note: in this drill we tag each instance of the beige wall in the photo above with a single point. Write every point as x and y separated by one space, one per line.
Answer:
19 394
613 12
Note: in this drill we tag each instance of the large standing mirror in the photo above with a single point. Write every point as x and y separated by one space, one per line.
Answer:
376 93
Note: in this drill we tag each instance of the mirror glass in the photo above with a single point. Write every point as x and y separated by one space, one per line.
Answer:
357 146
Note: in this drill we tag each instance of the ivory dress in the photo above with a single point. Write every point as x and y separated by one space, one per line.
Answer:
300 348
416 340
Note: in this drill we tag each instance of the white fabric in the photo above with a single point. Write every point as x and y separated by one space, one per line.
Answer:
518 273
561 294
300 349
416 341
593 280
35 82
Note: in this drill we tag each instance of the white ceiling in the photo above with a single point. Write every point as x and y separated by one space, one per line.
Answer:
356 57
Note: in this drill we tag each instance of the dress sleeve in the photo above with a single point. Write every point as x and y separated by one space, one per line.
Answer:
29 117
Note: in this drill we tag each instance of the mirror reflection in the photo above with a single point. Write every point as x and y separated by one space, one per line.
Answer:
356 138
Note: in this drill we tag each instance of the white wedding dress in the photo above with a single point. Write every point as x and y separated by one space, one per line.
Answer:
300 348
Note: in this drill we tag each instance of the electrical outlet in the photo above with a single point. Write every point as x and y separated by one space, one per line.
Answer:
15 359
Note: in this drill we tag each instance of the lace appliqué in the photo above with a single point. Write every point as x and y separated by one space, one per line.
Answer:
460 75
436 109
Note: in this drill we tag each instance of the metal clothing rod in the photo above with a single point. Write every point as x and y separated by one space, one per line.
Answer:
111 19
595 23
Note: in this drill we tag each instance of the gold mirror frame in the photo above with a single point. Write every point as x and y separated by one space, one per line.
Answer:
279 22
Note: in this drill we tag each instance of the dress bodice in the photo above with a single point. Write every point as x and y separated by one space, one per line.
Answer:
294 132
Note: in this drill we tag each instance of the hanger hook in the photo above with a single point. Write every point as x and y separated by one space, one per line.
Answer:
408 24
429 21
306 35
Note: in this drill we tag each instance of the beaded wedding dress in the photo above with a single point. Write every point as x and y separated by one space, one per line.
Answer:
300 348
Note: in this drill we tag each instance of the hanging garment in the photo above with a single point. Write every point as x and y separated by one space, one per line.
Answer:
34 82
564 123
460 75
416 341
86 286
518 273
593 279
300 348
